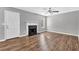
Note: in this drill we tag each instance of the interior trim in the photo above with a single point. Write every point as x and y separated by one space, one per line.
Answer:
3 40
64 33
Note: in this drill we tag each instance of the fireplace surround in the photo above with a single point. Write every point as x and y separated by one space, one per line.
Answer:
31 28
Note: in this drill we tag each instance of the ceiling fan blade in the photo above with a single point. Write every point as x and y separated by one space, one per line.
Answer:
55 11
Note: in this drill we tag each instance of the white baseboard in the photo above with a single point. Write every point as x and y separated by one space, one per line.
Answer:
7 39
3 40
78 36
23 35
64 33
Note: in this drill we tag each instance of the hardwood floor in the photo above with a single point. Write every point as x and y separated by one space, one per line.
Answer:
46 41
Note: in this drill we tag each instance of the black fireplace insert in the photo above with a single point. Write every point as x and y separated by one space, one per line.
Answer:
32 30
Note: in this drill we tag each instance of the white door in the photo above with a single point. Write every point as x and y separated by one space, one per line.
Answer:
12 24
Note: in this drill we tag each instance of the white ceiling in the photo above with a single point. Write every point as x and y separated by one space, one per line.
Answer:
43 10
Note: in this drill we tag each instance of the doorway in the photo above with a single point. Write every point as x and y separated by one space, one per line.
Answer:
12 24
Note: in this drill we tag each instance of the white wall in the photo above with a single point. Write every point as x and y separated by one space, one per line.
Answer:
78 23
1 24
28 17
31 18
25 17
64 23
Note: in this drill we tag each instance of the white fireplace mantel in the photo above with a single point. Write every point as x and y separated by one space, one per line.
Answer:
31 24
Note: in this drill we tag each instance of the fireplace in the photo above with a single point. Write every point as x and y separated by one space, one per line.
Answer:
32 30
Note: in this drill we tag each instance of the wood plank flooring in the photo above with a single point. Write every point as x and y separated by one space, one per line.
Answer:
46 41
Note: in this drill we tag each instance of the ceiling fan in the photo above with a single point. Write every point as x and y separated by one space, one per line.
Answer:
51 11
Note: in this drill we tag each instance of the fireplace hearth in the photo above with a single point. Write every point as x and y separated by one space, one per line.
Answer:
32 30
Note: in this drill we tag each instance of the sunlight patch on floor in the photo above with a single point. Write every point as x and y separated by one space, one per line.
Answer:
43 43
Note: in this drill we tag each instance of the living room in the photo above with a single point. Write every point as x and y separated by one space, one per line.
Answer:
39 28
